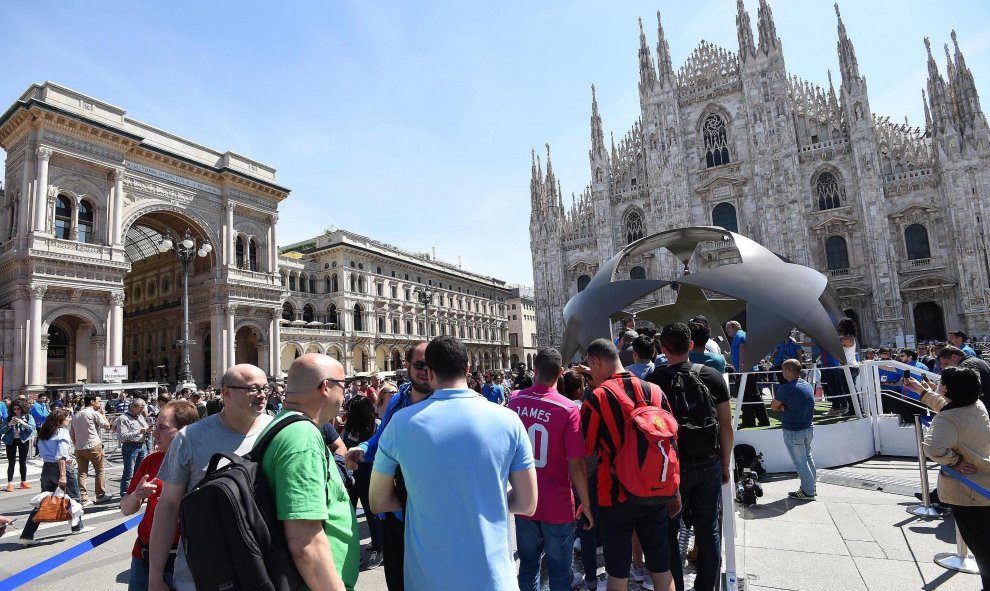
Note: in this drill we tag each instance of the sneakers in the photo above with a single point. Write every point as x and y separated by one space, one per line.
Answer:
87 503
373 560
26 541
638 573
647 581
103 498
83 530
577 544
576 579
801 495
596 585
25 485
10 487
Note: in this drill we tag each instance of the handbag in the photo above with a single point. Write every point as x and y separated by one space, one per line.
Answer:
53 508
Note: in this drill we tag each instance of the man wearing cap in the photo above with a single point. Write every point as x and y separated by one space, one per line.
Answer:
957 338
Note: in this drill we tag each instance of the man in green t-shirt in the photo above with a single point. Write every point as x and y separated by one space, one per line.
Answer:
310 499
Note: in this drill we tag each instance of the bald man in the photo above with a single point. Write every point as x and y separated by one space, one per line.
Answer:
310 499
244 389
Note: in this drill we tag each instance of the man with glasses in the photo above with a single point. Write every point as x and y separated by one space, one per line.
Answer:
245 390
361 457
310 499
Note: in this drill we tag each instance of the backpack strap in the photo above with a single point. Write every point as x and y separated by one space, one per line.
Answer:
258 451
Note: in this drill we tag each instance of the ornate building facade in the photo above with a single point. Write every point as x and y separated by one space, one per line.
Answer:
523 338
89 195
895 215
365 303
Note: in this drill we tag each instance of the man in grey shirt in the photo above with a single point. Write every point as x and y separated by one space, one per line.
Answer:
244 389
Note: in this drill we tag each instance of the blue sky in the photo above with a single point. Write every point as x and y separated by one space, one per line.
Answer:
412 122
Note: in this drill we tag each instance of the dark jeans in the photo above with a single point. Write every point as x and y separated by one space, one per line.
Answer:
974 526
591 539
132 454
393 551
49 483
836 388
701 497
754 411
17 449
362 482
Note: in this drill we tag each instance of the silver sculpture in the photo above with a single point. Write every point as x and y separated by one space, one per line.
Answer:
777 295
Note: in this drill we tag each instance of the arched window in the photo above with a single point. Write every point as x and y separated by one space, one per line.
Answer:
637 273
283 278
333 283
63 217
85 232
381 324
634 227
327 285
302 283
828 191
836 253
292 281
395 326
724 216
353 283
239 250
358 317
583 282
716 141
253 254
288 312
308 313
916 241
312 284
362 285
409 327
332 315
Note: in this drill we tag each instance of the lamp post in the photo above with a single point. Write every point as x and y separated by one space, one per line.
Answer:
186 251
425 295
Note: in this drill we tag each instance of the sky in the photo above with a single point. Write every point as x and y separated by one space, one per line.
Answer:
413 122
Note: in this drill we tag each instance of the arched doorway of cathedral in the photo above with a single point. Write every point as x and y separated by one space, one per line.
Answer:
246 345
381 358
929 322
153 294
289 353
73 346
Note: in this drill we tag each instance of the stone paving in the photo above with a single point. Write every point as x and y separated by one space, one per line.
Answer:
850 539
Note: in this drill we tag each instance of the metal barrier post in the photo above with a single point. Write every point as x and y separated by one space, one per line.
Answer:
962 561
853 394
925 509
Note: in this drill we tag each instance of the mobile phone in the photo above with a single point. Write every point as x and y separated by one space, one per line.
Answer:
907 374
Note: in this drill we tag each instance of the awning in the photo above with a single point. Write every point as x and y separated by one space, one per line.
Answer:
127 386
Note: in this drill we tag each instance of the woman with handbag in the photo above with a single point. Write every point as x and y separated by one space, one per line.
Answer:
16 436
58 471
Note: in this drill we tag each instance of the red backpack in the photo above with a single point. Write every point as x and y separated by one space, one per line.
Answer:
646 464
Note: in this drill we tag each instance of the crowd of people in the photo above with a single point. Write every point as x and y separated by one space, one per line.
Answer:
558 439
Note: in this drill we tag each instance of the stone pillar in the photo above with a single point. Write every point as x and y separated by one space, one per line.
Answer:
230 311
41 190
22 311
116 328
117 220
74 223
275 343
37 357
98 344
229 242
217 350
272 245
23 211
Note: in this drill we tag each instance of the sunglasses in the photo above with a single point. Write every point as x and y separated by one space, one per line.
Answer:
419 365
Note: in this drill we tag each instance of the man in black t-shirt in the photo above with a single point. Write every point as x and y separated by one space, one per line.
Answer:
703 471
522 379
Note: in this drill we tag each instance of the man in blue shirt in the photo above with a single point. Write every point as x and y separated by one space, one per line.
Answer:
796 402
492 391
786 349
458 454
957 338
643 355
738 347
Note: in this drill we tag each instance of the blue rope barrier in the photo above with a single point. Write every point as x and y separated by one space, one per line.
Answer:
955 474
46 566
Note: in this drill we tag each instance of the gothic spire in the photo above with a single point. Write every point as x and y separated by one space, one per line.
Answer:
766 27
744 30
928 114
938 95
551 181
967 98
848 65
536 187
647 73
663 56
597 134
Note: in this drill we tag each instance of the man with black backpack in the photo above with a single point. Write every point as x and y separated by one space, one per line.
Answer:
625 423
699 399
244 389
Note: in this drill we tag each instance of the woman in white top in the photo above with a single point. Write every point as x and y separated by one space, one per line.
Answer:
847 336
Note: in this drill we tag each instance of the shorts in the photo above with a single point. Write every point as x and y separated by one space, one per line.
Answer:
617 524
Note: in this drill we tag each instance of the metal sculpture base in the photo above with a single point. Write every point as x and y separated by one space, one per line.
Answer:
953 562
926 512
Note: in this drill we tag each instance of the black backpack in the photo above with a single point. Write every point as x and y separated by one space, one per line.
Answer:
231 536
693 407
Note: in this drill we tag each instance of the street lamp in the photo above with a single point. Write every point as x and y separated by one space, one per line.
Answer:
186 251
425 295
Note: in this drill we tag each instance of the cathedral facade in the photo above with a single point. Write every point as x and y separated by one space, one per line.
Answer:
894 215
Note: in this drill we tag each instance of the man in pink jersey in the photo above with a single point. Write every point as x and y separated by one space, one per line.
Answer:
554 427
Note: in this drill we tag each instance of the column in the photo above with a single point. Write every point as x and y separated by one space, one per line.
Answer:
41 190
272 245
116 328
116 231
229 242
275 345
217 350
74 223
37 356
21 314
23 211
98 345
228 340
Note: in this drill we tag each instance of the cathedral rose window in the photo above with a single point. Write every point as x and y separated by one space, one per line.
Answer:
716 141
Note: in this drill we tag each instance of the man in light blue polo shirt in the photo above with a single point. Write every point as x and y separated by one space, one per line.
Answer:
457 454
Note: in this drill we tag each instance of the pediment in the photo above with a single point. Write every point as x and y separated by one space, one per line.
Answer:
721 180
916 212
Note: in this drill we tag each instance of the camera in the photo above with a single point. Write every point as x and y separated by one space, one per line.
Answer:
748 487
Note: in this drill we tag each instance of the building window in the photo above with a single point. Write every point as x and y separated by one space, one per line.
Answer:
353 283
405 292
634 227
828 191
724 216
253 254
408 326
312 284
916 241
513 339
716 141
378 287
395 292
582 283
308 314
637 273
421 330
292 282
395 326
333 283
358 317
288 312
239 250
836 253
332 315
85 232
381 324
63 217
